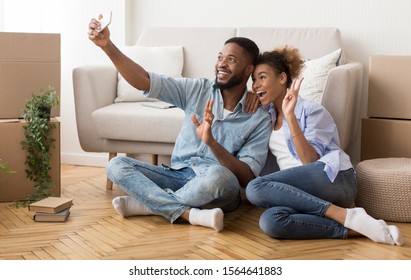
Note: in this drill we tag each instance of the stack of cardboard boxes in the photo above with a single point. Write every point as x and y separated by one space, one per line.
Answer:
28 63
387 130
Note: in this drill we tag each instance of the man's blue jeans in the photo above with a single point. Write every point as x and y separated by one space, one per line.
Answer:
297 198
170 192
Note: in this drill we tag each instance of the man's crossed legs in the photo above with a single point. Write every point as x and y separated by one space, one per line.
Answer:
200 198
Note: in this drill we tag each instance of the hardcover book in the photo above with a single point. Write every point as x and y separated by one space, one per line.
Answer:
51 204
52 217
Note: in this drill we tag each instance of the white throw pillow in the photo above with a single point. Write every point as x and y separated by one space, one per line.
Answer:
315 75
166 60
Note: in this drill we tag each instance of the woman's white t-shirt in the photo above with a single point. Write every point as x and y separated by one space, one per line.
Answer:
279 149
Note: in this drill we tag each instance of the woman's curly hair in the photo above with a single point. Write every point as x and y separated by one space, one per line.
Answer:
283 59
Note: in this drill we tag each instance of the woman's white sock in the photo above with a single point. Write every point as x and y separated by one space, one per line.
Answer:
213 218
377 230
396 235
127 206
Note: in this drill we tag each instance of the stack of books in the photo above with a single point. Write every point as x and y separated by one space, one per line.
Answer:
51 209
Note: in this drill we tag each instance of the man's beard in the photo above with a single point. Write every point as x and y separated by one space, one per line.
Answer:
233 81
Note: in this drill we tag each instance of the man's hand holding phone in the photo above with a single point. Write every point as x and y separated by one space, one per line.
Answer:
96 26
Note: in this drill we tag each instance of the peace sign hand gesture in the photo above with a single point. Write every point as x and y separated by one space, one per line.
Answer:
291 97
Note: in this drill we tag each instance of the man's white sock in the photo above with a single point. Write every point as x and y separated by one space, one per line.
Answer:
127 206
377 230
213 218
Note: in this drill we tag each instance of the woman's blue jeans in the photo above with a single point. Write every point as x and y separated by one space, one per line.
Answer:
297 198
170 192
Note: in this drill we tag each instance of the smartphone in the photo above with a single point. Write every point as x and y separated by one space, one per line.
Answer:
159 105
105 21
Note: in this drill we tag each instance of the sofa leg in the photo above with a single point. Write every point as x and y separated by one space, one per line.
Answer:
154 159
109 183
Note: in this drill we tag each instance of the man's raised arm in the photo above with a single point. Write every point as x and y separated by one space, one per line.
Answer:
134 74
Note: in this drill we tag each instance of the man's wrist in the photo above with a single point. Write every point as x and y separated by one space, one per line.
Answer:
212 143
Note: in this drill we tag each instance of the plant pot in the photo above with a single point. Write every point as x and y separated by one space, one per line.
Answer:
45 113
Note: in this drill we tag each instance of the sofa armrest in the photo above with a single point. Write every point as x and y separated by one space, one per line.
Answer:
342 98
94 87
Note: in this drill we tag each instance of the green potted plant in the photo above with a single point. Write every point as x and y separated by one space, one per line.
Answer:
41 105
37 131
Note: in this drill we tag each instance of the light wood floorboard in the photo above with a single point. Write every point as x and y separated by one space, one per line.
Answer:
95 232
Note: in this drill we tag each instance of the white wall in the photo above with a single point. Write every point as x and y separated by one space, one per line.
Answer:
1 14
368 27
69 18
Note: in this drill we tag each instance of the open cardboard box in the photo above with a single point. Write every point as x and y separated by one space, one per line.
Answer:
29 62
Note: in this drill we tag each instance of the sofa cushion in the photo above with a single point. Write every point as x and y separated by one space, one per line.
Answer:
312 42
315 75
132 121
166 60
201 45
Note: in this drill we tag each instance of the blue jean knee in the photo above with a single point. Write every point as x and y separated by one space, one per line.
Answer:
254 196
222 185
118 167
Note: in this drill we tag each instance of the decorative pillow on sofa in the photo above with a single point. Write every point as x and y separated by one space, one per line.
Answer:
315 75
162 60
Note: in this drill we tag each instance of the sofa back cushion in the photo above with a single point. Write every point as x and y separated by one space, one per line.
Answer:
201 46
312 42
166 60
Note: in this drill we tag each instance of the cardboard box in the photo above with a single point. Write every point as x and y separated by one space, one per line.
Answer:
382 138
29 62
389 87
15 187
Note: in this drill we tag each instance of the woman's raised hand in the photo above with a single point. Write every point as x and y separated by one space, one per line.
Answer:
291 97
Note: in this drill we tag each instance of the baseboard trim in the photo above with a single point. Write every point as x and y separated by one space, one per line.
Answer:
87 159
101 159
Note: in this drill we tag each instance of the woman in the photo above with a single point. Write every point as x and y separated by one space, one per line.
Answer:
311 194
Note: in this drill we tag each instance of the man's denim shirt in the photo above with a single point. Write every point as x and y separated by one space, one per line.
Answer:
243 135
321 132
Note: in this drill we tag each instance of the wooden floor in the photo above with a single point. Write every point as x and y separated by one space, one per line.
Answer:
95 232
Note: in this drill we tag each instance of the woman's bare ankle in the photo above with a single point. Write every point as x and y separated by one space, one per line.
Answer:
336 213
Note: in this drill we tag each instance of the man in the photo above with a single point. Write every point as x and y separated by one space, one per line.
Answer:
220 147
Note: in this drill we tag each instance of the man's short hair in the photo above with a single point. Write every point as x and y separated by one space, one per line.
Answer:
248 45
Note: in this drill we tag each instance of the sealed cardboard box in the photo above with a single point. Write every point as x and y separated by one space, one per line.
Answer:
389 87
15 187
29 62
382 138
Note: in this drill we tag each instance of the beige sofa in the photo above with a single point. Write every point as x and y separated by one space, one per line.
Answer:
132 128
